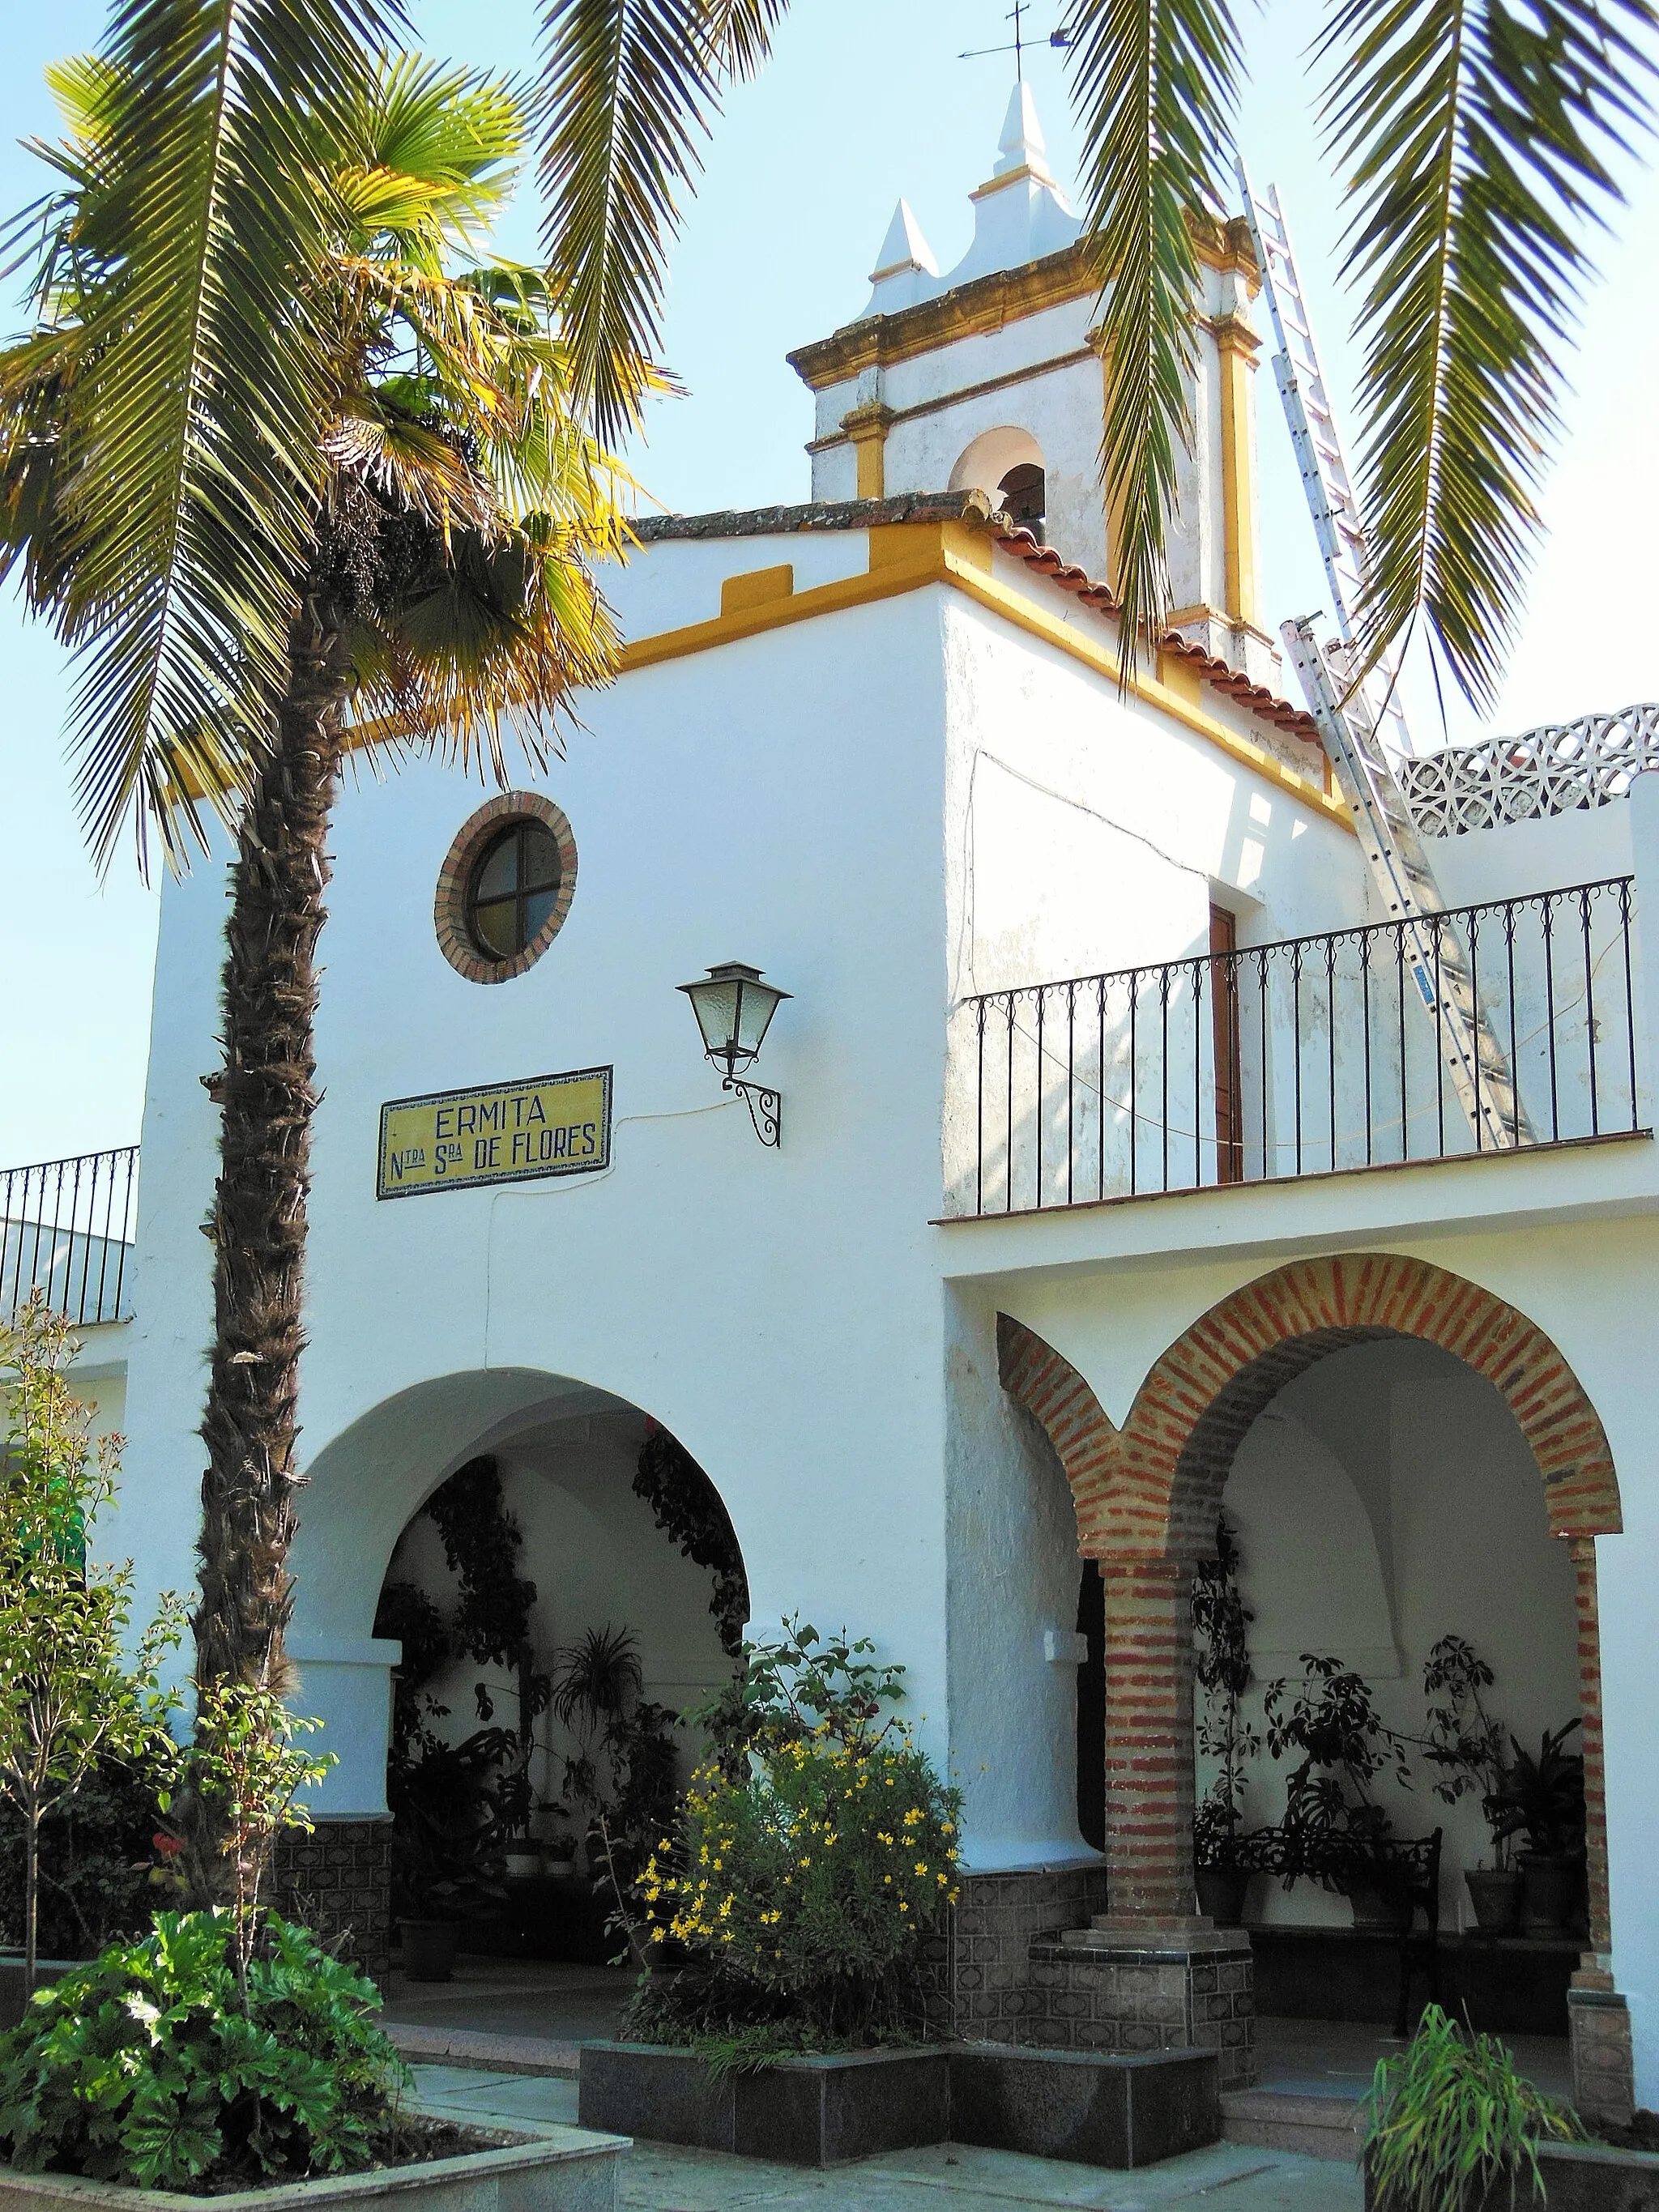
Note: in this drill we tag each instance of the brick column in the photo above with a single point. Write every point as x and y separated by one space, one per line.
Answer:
1590 1706
1149 1739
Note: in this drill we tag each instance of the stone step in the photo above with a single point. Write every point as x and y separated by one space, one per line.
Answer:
1310 2125
471 2046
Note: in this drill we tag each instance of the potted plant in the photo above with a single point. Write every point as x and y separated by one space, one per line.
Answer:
1333 1825
1221 1661
1543 1799
623 1773
1468 1745
446 1843
559 1853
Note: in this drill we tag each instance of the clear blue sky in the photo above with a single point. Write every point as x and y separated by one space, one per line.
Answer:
865 100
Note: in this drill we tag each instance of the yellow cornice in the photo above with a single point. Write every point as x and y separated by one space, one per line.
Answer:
988 304
907 557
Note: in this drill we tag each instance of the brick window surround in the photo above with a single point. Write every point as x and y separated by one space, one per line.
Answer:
1146 1495
449 908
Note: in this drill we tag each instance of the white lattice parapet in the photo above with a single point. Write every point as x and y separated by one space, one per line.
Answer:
1554 770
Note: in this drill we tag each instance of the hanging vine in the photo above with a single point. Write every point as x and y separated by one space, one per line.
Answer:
687 1508
1221 1662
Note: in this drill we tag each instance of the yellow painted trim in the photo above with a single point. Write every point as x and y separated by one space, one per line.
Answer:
986 304
908 556
1235 344
867 428
756 587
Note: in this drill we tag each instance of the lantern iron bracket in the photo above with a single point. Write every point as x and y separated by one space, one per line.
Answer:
765 1107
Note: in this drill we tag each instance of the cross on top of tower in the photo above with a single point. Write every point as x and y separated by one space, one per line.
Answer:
1016 16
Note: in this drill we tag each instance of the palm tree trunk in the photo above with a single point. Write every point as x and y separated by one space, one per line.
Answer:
258 1225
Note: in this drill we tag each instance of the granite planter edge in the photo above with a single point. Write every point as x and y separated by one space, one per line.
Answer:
536 2166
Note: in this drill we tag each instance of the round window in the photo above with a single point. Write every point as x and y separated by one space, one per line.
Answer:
506 887
513 891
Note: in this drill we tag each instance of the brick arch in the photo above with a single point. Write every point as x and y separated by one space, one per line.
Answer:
1146 1497
1190 1414
1036 1376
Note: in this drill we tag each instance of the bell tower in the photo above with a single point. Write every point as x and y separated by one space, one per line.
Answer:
989 376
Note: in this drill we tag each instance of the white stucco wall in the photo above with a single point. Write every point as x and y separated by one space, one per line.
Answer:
779 801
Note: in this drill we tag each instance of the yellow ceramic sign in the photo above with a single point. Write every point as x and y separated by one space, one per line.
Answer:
548 1125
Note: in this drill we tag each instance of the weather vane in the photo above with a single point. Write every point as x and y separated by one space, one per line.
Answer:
1016 16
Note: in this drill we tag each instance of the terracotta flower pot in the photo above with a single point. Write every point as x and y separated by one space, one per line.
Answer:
1549 1892
1221 1891
429 1947
1495 1894
1379 1907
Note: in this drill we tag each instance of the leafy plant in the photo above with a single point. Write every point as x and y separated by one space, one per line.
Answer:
71 1694
1543 1798
1331 1818
244 1766
688 1508
1462 1738
1449 2120
453 1807
807 1870
97 1866
785 1690
482 1542
145 2068
1222 1668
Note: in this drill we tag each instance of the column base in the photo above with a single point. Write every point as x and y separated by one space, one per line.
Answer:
337 1883
1140 1985
1603 2064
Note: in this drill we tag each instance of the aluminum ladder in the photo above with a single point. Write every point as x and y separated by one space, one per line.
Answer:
1360 726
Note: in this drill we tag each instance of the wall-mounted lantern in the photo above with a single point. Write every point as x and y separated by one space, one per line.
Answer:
734 1009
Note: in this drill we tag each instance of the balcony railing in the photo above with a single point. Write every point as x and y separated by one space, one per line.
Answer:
66 1228
1303 1057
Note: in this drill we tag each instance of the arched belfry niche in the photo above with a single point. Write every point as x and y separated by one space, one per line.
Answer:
1146 1495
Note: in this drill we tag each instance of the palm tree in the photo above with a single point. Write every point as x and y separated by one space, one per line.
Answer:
1474 141
439 591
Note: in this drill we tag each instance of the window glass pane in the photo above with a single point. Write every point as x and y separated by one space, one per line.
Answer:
497 928
539 859
537 910
498 873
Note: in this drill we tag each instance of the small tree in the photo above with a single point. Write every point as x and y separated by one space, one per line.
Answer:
71 1693
245 1765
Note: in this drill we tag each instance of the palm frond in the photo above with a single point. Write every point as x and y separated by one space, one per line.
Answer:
1479 138
741 32
628 88
1154 86
439 154
187 467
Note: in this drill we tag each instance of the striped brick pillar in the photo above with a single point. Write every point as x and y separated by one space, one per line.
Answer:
1149 1739
1589 1704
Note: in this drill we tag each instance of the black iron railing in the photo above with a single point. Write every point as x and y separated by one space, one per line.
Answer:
1302 1057
66 1228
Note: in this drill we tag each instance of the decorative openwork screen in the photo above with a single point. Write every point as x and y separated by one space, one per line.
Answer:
1556 770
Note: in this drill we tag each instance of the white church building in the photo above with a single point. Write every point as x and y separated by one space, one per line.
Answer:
1100 1172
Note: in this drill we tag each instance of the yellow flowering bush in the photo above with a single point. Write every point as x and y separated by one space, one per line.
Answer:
825 1864
817 1847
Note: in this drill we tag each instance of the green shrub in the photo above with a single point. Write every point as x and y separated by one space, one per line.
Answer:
141 2067
815 1851
1450 2117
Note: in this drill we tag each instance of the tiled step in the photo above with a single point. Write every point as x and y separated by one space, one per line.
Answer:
1313 2126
